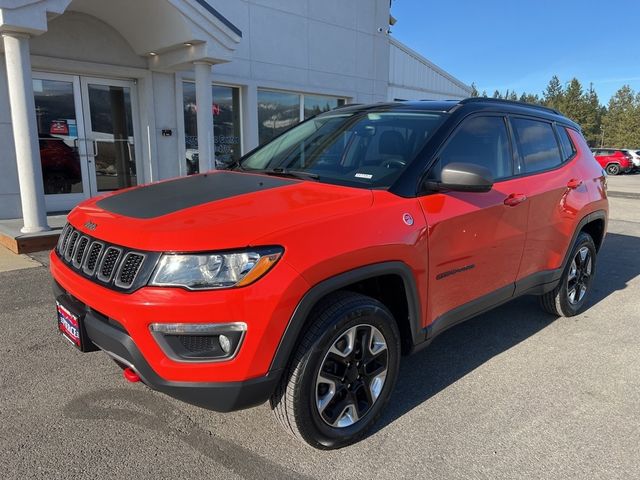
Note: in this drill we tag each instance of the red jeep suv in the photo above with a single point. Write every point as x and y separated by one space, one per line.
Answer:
303 273
614 161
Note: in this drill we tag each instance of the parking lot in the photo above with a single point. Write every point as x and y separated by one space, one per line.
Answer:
513 393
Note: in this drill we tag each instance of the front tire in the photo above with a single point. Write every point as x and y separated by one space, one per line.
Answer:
568 298
342 373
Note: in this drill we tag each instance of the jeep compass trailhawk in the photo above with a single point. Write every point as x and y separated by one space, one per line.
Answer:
302 273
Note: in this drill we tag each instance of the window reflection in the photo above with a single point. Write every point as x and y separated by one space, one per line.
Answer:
226 125
277 112
57 136
315 104
112 136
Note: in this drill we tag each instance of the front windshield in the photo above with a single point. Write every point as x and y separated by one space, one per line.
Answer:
365 149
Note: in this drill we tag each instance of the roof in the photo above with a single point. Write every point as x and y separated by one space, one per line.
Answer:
207 6
470 104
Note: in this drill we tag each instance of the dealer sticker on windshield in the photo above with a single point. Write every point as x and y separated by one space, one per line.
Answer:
368 176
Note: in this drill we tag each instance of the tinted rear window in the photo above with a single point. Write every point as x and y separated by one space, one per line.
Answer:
537 145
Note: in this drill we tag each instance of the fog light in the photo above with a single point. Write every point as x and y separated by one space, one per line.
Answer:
199 342
225 343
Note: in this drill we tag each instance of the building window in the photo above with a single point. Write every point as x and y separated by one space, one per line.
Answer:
226 125
315 104
279 111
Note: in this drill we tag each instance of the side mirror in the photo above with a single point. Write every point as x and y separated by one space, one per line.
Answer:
462 177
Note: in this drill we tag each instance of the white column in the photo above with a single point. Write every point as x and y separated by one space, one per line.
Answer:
204 102
25 131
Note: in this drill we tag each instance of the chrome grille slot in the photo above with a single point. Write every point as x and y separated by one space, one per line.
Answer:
129 268
108 264
92 258
112 266
64 236
78 256
68 254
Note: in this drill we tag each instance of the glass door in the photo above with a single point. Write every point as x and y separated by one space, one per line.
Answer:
63 152
111 131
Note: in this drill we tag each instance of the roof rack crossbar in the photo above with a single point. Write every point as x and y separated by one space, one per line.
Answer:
510 102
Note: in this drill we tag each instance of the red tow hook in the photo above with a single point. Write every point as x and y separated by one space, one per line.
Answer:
130 375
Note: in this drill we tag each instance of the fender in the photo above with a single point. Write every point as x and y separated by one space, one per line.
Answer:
318 291
545 281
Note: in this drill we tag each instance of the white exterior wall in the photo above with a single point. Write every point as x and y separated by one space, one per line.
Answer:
413 77
325 47
329 47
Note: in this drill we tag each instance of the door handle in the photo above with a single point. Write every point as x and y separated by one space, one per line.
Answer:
515 199
574 183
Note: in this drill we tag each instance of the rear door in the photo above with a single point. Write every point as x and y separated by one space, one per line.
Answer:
475 240
552 181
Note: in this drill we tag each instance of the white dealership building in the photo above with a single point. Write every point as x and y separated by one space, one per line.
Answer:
97 95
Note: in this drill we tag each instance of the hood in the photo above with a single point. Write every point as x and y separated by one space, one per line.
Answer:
213 211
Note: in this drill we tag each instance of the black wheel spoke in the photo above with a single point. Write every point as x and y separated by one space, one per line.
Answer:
363 338
363 398
351 377
376 365
579 275
337 405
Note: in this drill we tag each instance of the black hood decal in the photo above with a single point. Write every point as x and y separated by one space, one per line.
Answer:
168 197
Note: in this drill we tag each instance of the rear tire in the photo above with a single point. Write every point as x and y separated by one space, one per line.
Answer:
568 298
342 374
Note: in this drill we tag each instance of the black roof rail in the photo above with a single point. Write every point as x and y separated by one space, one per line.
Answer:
509 102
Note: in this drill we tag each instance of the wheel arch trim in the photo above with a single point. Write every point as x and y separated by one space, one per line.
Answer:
320 290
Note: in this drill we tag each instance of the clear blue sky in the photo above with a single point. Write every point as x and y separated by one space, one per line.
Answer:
519 44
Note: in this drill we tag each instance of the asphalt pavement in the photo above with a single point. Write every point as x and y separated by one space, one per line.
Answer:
511 394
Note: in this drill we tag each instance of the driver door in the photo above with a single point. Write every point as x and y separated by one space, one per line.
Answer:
476 240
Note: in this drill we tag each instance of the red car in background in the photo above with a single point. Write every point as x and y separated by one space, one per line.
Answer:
614 161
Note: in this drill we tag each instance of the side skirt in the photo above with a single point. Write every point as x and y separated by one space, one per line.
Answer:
536 284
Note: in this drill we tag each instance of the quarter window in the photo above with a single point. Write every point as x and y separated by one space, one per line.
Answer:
537 145
568 149
480 141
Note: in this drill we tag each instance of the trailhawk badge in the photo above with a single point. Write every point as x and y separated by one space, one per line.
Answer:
90 225
408 219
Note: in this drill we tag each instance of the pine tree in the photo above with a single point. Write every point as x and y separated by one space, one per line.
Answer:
622 119
474 90
553 96
530 98
497 94
592 118
573 101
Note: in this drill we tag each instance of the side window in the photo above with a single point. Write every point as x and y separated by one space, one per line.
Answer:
568 149
537 144
481 141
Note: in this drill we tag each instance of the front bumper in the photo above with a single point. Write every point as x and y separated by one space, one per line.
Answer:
113 339
118 323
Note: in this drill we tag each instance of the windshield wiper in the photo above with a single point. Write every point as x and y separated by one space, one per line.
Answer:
285 172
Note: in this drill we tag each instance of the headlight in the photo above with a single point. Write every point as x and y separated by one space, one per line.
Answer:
214 270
